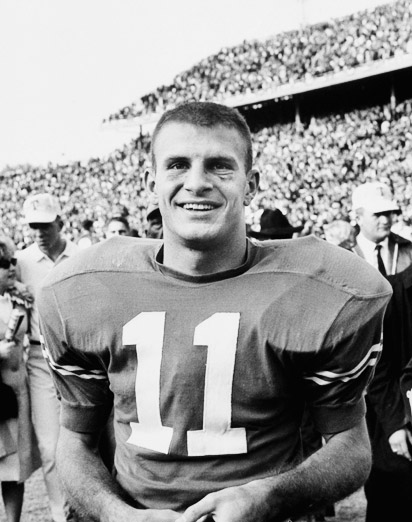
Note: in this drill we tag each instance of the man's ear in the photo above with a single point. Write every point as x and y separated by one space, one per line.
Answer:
60 222
150 182
253 178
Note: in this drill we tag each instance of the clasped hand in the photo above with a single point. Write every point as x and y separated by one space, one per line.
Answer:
234 504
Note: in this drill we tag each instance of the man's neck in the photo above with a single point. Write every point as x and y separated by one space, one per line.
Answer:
195 262
54 252
376 242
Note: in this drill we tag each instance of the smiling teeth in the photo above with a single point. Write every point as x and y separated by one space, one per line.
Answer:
197 206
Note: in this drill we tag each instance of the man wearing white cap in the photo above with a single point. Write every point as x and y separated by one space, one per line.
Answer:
42 214
375 207
391 254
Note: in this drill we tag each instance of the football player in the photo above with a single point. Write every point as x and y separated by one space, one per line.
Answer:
208 345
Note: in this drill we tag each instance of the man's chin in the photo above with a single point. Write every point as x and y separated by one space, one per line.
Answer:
200 240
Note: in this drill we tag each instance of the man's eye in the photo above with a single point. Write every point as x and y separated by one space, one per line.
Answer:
221 167
177 165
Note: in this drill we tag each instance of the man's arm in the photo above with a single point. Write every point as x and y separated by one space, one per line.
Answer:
335 471
96 494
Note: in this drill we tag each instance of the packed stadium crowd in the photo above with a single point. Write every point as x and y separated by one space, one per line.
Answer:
289 57
308 172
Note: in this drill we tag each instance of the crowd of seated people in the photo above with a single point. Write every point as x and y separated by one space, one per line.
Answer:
86 190
299 55
307 171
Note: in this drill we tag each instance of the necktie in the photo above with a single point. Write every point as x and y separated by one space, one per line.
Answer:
381 266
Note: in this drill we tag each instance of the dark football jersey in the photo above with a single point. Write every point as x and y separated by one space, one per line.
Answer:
209 374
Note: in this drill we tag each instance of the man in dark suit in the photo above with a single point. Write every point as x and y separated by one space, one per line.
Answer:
375 209
388 487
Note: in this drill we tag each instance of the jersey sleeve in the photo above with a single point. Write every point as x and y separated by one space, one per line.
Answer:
80 378
338 376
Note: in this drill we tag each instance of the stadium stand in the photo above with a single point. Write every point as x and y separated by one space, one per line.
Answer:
301 55
308 165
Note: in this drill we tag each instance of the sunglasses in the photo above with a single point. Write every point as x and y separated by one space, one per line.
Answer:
6 263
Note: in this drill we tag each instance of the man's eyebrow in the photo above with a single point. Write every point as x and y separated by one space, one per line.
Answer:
222 157
169 159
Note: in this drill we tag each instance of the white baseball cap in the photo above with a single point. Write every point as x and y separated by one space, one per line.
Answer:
41 208
375 197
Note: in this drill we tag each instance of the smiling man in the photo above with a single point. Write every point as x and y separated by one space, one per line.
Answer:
209 345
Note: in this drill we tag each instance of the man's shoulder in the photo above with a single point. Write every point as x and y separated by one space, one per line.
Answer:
117 254
316 259
28 252
70 248
400 240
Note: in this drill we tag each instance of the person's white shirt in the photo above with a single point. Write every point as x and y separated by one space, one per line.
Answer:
368 248
33 266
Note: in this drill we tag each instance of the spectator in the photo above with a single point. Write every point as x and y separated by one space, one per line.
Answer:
274 225
50 248
393 464
340 233
154 222
88 237
18 450
374 206
117 226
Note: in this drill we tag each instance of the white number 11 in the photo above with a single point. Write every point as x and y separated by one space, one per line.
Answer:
219 333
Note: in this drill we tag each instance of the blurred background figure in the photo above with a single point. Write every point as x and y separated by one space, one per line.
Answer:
340 233
19 455
42 213
154 220
274 225
117 226
120 211
88 236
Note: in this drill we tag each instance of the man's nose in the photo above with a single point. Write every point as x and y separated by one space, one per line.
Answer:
40 232
385 218
197 179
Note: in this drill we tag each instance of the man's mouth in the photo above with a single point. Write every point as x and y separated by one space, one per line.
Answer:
198 206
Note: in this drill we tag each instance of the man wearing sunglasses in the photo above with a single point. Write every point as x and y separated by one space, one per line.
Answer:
42 214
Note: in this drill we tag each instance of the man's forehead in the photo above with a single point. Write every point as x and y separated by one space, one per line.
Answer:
181 138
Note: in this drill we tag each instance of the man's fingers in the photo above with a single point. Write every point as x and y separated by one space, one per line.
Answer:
200 512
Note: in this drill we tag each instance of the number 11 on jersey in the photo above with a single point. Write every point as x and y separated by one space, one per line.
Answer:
220 334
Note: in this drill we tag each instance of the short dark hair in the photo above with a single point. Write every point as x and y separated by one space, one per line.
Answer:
121 219
6 247
87 224
207 114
